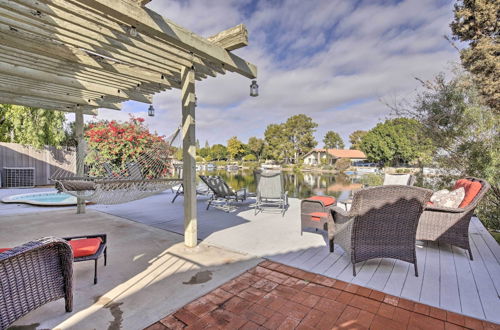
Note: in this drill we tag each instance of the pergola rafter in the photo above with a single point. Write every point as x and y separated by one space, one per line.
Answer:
81 55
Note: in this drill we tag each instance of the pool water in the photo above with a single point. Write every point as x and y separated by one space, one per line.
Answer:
44 198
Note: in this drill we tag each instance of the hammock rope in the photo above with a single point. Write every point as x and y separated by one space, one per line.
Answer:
121 181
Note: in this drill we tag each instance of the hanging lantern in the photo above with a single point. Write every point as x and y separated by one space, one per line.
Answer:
132 31
151 111
254 88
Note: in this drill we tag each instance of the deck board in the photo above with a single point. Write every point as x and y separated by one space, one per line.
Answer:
448 294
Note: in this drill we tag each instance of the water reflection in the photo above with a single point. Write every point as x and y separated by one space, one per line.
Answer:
298 184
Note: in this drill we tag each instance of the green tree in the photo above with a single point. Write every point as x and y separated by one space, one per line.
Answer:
218 152
31 126
207 146
466 134
256 146
299 130
476 23
396 141
355 139
277 145
235 148
332 140
204 152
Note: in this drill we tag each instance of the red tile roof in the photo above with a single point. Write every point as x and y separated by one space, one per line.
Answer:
343 153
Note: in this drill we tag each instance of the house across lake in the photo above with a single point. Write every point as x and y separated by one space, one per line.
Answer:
330 156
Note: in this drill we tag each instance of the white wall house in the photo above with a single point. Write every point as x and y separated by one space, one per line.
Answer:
330 156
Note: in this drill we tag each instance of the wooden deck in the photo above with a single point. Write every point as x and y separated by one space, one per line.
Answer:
448 278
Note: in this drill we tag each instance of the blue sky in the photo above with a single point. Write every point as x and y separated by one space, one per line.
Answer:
338 61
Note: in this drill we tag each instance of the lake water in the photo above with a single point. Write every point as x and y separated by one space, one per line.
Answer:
298 184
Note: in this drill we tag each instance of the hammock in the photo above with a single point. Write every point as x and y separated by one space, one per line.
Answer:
117 182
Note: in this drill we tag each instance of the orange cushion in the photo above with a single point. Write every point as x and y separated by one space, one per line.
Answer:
3 250
317 216
85 247
471 188
326 200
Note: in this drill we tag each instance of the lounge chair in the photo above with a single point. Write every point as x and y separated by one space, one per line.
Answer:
221 191
32 275
270 191
451 225
201 189
381 223
399 179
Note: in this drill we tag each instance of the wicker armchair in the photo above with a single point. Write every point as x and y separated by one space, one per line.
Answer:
34 274
381 223
450 225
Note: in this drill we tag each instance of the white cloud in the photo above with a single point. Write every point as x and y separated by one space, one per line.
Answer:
332 60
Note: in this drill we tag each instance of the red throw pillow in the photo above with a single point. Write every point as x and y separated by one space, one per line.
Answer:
316 216
85 247
3 250
471 188
326 200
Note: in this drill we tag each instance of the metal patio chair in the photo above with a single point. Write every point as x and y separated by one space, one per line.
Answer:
270 191
221 191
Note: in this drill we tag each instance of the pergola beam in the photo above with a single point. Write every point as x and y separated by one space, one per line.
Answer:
232 38
149 22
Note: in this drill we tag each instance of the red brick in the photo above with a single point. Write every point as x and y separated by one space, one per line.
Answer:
301 284
437 313
235 287
250 326
328 305
473 323
365 318
423 322
201 306
316 289
294 310
277 304
344 297
251 294
260 271
311 300
340 285
326 281
383 323
391 300
273 265
285 291
348 317
365 292
172 323
156 326
377 295
331 293
366 304
401 315
304 327
186 316
265 263
406 304
386 310
290 281
255 317
289 323
266 312
329 319
488 325
276 277
265 285
422 309
275 321
451 326
455 318
352 288
312 318
228 320
300 297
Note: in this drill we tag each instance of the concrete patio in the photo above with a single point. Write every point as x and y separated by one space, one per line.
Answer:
448 279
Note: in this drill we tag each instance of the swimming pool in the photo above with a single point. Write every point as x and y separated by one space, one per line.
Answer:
42 199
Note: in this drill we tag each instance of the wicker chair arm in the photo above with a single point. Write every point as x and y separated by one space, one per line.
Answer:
37 244
446 209
340 215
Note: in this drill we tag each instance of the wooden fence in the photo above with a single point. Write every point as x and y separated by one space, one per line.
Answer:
46 162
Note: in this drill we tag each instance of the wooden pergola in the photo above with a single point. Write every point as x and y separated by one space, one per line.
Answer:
81 55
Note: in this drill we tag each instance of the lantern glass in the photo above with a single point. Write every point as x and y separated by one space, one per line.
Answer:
254 89
151 111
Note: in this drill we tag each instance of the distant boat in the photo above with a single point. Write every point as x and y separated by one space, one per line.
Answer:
350 173
232 167
210 167
367 170
270 167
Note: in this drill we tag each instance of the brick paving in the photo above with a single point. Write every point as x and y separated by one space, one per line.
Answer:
275 296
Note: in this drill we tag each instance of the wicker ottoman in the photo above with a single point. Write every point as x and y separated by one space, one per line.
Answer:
315 213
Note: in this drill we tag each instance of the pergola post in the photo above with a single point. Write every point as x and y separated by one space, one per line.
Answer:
189 156
80 155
